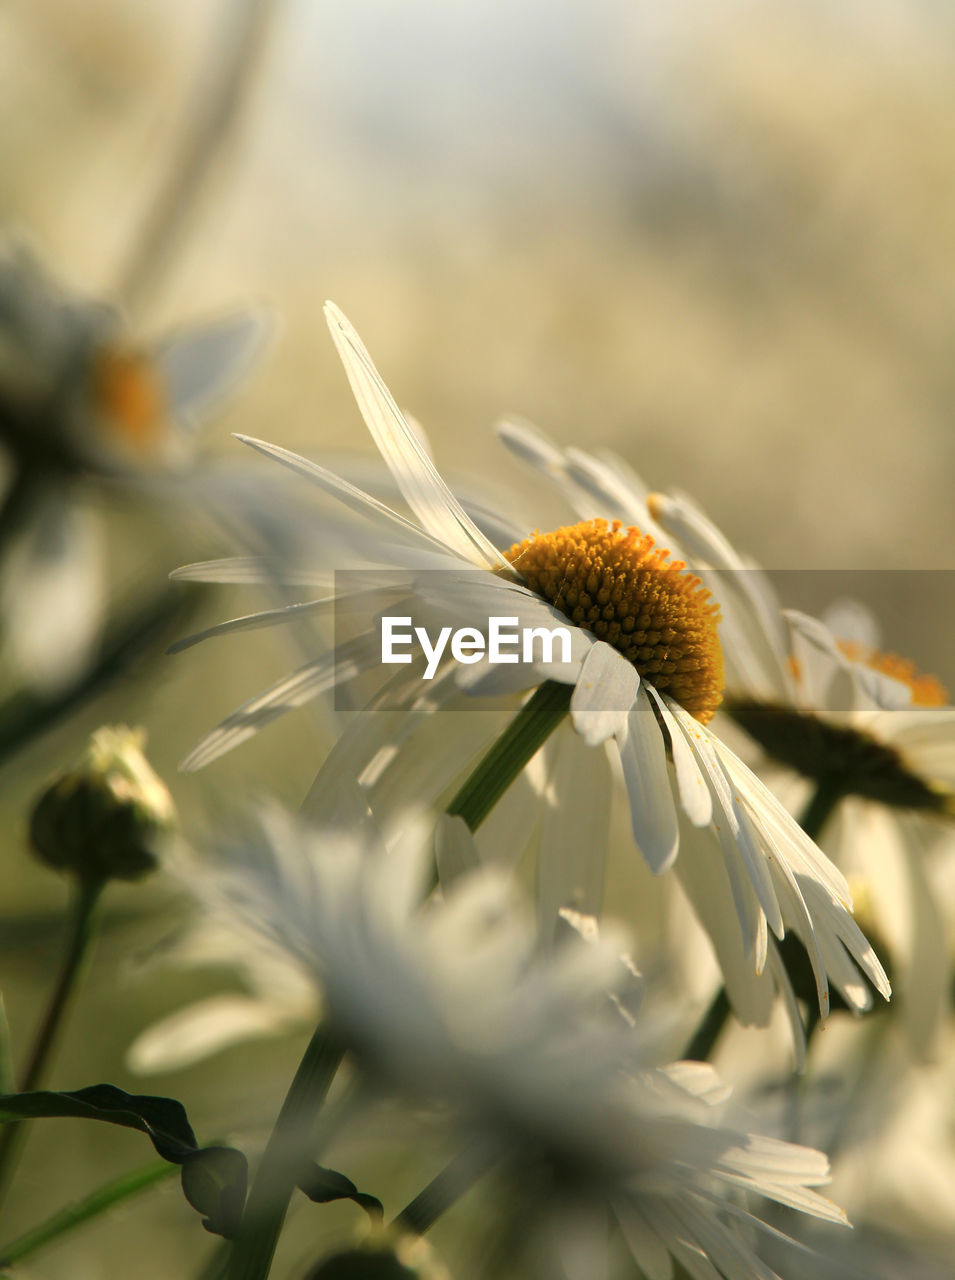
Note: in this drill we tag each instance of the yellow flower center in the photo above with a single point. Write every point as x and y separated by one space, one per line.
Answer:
617 584
927 691
127 391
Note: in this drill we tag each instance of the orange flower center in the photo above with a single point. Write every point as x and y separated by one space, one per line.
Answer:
617 584
127 391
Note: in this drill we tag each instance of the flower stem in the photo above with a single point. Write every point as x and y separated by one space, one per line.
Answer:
520 741
819 809
444 1190
704 1038
82 931
254 1246
73 1215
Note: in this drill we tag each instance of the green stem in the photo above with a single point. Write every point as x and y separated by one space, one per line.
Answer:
444 1190
81 935
73 1215
819 809
6 1052
520 741
704 1038
254 1246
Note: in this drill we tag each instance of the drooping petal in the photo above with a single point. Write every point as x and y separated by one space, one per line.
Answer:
249 570
570 865
694 793
254 622
603 695
643 759
285 695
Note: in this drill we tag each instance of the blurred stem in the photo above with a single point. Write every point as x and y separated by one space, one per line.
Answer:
704 1038
444 1190
73 1215
519 743
229 75
819 809
25 715
252 1250
82 931
6 1052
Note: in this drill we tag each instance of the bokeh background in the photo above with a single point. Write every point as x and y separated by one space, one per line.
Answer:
717 237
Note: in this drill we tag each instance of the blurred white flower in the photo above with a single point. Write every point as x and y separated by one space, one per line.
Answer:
453 1002
646 672
822 699
83 401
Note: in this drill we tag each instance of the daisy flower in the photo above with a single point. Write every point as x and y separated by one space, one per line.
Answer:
645 674
82 402
453 1003
868 734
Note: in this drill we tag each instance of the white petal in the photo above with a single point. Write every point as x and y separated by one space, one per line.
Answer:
205 1028
643 758
201 365
253 622
570 865
603 695
530 444
853 621
649 1252
424 490
694 793
286 694
250 570
53 592
353 498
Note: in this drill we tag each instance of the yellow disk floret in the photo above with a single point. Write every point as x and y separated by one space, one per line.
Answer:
127 391
927 691
617 584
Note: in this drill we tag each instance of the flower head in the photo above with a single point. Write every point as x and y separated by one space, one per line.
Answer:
453 1002
85 402
649 699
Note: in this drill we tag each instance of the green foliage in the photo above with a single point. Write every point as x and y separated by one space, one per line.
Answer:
213 1178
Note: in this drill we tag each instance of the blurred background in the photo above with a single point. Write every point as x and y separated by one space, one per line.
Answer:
716 237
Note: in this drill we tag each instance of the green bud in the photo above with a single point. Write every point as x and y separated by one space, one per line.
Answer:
105 818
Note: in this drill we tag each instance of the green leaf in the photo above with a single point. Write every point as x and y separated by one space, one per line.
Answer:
322 1186
213 1178
214 1182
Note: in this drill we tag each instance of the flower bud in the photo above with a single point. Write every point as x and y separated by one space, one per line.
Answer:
105 818
383 1257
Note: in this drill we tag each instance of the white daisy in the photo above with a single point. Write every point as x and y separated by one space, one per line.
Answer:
82 402
453 1002
865 727
645 673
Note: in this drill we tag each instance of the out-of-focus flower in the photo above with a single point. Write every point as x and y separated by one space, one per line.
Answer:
82 400
106 818
384 1256
453 1002
822 700
645 672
